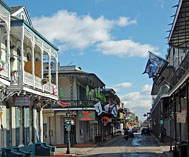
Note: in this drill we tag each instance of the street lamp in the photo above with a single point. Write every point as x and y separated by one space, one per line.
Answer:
69 122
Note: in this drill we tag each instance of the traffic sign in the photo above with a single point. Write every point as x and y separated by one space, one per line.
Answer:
68 127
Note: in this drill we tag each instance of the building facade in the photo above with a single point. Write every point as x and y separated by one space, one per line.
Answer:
23 94
78 93
170 109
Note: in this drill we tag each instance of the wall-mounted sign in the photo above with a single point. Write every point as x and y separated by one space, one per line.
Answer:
86 115
48 113
22 101
64 104
181 117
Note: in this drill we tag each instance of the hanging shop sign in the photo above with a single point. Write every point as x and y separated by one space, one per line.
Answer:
181 117
48 113
64 104
86 115
1 114
22 101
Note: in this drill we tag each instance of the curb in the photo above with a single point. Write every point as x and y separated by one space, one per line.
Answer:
168 154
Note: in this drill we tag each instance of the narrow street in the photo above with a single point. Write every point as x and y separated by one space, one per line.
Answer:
139 146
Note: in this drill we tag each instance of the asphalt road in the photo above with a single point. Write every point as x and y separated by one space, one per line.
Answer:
139 146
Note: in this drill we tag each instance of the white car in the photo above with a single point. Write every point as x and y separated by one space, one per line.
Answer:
117 131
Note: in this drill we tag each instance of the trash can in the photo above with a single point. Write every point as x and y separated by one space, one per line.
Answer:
98 139
183 149
175 152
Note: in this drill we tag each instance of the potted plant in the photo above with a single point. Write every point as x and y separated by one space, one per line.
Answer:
45 80
12 46
12 58
2 65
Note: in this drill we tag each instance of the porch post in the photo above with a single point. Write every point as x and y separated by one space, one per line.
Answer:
22 53
175 121
33 62
21 127
39 123
8 50
49 60
180 134
57 76
41 51
187 97
31 121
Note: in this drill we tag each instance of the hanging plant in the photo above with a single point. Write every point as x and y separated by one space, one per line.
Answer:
12 46
13 72
45 80
12 58
2 63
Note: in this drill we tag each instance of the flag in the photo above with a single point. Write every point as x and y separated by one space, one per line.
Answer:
114 111
107 108
94 94
87 90
60 92
154 64
98 108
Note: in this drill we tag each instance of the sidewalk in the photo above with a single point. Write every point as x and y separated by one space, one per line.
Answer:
163 144
75 150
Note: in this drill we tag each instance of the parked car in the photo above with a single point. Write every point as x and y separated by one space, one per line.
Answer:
118 131
145 130
130 134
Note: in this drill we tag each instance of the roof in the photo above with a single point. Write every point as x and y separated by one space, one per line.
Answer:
179 33
21 22
84 77
5 5
15 9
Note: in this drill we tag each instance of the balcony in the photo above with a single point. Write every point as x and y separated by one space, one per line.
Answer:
180 71
163 91
74 104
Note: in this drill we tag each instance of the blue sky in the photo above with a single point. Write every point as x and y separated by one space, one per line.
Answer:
110 38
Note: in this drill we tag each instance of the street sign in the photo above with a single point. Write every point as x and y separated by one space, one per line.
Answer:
161 122
68 127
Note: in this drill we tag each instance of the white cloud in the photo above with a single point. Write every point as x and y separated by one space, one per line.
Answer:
125 21
74 31
125 48
120 86
138 102
161 3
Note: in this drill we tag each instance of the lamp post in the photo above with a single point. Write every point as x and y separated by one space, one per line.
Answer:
68 138
69 122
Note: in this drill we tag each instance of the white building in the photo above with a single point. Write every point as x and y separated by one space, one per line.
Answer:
24 92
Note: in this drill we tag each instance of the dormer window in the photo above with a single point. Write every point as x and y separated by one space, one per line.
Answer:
22 17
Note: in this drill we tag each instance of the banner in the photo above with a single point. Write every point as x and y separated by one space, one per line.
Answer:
114 111
98 108
154 65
